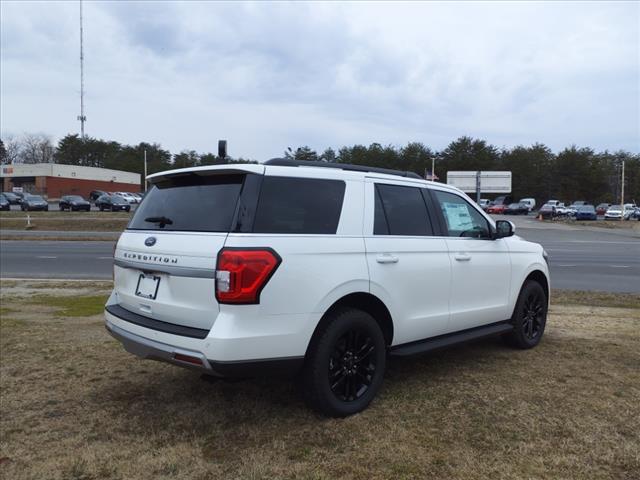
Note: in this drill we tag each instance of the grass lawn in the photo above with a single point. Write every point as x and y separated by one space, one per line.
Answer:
75 405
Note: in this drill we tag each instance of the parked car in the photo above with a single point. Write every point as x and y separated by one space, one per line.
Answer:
129 197
114 203
503 200
497 209
547 211
615 212
484 204
4 203
73 203
517 209
34 202
138 196
586 212
561 210
267 287
12 198
531 203
95 194
602 208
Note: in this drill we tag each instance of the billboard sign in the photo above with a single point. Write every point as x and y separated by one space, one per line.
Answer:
490 182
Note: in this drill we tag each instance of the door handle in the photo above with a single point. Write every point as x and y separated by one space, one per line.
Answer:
387 258
462 257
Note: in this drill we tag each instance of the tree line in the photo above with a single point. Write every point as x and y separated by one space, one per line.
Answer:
575 173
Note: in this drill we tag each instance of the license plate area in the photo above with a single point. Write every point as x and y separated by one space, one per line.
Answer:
147 286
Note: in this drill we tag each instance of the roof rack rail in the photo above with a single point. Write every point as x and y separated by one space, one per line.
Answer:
285 162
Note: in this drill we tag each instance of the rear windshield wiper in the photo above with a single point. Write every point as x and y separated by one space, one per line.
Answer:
161 220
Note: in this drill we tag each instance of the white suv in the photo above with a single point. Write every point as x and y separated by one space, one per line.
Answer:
294 268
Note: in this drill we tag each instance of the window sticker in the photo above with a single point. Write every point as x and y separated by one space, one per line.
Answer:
458 216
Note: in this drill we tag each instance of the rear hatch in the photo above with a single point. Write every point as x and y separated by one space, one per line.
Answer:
164 263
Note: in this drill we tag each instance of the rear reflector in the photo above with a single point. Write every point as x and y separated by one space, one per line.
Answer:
242 273
187 358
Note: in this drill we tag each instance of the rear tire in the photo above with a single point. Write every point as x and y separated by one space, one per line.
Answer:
529 317
345 364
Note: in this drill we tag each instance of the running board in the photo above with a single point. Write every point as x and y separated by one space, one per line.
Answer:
443 341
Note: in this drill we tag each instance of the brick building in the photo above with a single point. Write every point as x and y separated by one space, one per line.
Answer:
53 180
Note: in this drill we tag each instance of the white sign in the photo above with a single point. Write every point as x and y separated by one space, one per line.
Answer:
490 182
17 190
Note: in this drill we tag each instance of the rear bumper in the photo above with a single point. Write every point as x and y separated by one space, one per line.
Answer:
194 359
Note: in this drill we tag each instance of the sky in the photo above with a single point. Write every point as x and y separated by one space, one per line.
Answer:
269 75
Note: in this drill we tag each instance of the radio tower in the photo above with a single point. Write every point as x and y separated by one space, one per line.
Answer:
82 116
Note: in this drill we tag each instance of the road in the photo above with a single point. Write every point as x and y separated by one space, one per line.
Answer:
585 259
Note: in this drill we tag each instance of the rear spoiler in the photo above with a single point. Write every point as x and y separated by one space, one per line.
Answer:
227 169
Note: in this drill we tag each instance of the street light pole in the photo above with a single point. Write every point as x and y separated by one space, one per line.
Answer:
145 169
622 194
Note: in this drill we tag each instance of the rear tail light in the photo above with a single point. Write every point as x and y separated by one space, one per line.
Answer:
242 273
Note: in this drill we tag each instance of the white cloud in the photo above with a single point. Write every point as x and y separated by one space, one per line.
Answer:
269 75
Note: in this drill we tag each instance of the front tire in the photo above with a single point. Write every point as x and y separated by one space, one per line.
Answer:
529 317
345 364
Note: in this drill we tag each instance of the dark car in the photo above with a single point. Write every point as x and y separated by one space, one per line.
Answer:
586 212
503 200
517 209
34 202
4 203
113 203
94 195
13 198
74 203
547 211
602 208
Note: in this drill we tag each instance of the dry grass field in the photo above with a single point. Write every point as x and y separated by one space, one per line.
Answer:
74 405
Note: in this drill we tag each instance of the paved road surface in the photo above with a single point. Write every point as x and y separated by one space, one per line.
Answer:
591 259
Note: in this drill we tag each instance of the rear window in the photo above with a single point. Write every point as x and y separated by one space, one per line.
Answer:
190 203
299 205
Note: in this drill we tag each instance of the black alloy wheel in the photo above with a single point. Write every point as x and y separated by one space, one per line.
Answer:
352 365
345 362
529 317
533 321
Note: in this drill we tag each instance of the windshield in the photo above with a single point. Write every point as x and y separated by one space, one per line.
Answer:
75 198
190 203
35 198
587 208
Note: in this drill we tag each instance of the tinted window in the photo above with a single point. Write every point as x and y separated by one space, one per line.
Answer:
404 210
462 220
380 226
299 205
190 203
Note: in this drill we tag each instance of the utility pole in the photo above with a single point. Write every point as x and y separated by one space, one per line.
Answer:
82 116
622 194
145 169
478 187
433 168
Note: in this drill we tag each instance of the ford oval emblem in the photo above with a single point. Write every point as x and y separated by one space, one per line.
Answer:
150 242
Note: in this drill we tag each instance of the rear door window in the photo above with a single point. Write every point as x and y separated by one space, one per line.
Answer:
404 210
299 205
190 203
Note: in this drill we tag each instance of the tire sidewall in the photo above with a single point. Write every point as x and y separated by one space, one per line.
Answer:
518 315
342 324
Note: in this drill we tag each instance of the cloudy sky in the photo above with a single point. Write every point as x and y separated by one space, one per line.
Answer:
266 76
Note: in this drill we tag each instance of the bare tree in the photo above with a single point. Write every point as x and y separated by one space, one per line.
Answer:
36 148
12 149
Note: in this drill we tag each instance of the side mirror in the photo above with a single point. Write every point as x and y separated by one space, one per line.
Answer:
504 228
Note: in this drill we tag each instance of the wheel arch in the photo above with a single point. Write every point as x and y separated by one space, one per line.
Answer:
362 301
537 276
